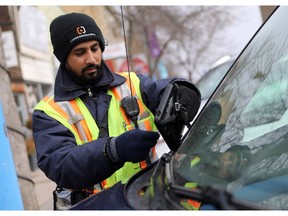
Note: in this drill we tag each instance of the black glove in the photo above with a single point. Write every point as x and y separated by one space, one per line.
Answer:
190 98
132 146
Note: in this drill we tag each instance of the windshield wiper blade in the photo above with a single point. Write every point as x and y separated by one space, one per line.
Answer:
218 198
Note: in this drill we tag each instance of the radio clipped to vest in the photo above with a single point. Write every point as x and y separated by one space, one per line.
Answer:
131 108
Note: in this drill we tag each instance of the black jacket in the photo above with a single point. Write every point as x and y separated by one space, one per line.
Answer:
59 157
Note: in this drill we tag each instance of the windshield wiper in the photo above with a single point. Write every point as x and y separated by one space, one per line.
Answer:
210 195
216 198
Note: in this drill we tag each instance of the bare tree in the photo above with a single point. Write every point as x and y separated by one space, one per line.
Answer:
184 33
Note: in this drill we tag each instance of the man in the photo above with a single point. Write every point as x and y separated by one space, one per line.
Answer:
98 128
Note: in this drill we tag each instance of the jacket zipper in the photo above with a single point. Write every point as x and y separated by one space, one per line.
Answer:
89 92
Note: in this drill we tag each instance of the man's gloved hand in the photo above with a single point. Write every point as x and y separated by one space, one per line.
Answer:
131 146
190 98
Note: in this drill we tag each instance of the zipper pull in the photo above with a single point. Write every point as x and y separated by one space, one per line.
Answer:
89 92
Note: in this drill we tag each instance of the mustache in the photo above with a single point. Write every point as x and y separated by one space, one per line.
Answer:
91 66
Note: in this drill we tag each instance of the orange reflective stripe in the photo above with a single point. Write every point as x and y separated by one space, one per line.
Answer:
127 121
147 125
103 184
194 203
143 164
46 99
58 109
82 122
141 106
115 92
96 191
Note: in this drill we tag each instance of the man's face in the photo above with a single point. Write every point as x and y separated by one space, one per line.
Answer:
228 164
84 62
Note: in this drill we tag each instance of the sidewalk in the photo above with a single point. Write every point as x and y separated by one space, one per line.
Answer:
43 189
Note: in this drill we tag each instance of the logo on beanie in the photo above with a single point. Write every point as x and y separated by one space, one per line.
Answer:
81 30
82 34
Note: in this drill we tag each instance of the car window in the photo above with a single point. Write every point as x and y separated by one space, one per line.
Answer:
239 140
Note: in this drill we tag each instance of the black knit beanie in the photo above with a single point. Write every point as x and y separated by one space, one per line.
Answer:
68 30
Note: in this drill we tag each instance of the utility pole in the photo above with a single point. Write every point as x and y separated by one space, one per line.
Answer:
16 137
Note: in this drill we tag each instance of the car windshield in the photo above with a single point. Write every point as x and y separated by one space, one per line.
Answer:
239 141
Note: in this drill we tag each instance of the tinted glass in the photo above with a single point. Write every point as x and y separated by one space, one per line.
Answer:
239 142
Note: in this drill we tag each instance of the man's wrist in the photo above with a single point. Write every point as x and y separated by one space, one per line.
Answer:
111 153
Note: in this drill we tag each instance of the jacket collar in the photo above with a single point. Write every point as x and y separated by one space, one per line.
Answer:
66 88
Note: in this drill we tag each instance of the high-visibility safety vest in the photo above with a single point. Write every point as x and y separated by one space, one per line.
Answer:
76 117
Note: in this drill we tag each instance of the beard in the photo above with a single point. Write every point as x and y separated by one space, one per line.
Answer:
88 79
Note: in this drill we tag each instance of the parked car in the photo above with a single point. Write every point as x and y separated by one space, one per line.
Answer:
209 81
235 154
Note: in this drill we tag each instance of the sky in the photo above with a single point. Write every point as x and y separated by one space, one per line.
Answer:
251 20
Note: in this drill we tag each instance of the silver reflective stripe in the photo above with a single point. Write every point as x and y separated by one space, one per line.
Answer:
98 187
123 90
142 126
73 118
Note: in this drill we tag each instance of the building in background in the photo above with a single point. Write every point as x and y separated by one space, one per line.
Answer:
26 54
